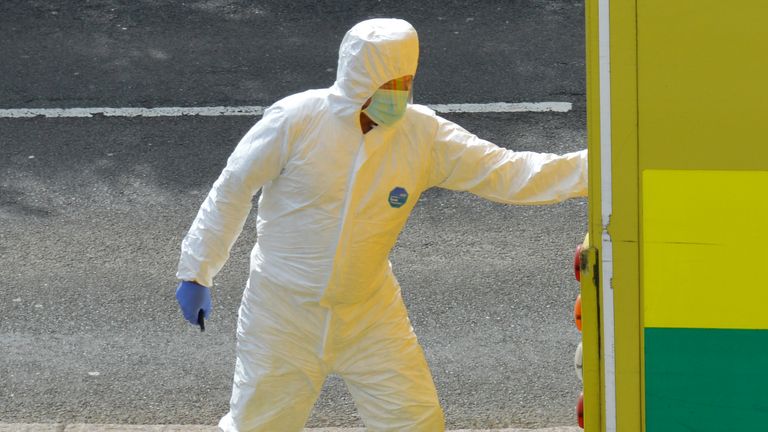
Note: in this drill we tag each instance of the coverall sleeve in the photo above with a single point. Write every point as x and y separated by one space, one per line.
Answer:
257 159
462 161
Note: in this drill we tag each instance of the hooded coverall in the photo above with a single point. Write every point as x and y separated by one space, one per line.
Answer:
321 296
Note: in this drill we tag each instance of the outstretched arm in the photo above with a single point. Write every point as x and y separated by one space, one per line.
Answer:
462 161
257 159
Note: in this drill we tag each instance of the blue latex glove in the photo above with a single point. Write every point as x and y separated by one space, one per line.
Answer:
193 298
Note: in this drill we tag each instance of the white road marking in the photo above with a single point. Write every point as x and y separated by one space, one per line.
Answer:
213 111
502 107
79 427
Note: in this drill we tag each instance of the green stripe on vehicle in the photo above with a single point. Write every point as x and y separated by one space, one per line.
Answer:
706 380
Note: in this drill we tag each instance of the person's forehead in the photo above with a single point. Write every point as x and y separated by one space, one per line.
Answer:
402 83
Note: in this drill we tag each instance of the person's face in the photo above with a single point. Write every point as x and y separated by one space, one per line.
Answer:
403 83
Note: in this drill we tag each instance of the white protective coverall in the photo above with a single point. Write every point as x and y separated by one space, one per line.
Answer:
321 297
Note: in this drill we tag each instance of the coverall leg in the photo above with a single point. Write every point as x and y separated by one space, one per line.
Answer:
278 376
384 369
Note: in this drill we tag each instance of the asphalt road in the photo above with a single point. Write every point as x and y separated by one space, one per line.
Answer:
92 210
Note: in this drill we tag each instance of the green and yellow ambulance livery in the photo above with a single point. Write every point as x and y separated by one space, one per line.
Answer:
674 276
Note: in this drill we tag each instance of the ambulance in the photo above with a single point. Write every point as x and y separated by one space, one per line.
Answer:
674 271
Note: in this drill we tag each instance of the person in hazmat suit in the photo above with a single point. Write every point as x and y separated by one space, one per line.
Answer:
340 169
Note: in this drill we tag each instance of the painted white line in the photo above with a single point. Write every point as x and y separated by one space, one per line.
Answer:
502 107
79 427
132 112
213 111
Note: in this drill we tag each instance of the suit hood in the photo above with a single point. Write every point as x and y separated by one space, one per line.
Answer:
373 52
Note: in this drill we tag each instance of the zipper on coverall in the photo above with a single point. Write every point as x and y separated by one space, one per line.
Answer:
359 160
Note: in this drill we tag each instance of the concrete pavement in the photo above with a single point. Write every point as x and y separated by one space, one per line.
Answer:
79 427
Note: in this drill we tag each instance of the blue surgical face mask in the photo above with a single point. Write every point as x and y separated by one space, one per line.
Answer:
388 106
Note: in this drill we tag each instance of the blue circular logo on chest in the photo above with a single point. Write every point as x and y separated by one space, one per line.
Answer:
398 197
